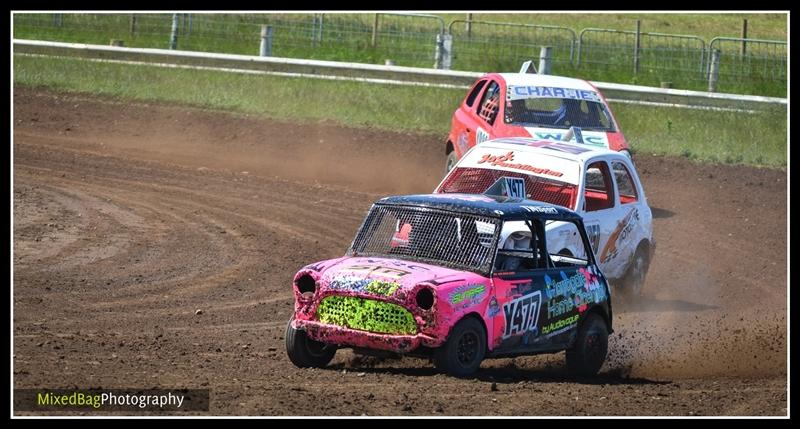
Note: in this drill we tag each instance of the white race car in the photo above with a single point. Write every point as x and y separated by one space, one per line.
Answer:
600 184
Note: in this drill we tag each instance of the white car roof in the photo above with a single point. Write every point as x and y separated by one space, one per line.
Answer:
550 159
524 79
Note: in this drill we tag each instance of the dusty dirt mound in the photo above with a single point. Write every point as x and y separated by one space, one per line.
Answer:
130 217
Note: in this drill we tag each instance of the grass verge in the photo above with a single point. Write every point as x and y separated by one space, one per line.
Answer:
725 137
409 41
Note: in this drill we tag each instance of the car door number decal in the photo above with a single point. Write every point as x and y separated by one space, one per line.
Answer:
522 314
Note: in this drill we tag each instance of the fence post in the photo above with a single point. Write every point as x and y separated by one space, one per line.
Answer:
319 36
444 49
314 30
133 23
173 37
546 60
744 37
469 26
57 19
266 41
713 73
190 23
375 31
636 46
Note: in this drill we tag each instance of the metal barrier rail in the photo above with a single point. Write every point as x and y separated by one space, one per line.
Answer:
371 71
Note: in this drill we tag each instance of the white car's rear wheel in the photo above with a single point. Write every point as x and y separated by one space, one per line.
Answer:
634 281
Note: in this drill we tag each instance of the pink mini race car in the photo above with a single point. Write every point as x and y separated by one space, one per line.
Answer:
428 275
532 105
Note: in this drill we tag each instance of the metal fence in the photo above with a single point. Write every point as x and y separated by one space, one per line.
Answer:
750 59
651 52
422 40
503 46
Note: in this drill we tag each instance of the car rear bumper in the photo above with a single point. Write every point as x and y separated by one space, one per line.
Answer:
342 336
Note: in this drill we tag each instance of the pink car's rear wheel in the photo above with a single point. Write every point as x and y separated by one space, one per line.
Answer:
588 353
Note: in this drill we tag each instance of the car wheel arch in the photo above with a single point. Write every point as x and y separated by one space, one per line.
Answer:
566 252
476 316
644 245
600 312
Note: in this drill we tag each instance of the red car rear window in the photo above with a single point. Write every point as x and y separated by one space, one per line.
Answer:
477 180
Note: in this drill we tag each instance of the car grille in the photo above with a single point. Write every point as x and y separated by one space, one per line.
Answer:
366 315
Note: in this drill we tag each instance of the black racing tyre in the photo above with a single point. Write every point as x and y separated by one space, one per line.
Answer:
637 272
452 159
305 352
591 346
461 355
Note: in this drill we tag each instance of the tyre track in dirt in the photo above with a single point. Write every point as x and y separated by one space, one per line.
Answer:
184 209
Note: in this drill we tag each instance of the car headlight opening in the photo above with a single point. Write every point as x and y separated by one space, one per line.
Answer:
306 286
425 298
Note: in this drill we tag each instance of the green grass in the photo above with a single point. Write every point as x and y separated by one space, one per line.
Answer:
725 137
772 26
709 136
410 42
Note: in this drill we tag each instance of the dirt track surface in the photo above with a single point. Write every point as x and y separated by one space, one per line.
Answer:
130 217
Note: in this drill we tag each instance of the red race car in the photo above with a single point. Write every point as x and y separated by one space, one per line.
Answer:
533 105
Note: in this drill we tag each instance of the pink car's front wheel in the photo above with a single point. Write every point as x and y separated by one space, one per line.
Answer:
305 352
462 353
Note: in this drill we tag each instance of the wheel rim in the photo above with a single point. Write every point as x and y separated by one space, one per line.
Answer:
450 163
467 348
594 346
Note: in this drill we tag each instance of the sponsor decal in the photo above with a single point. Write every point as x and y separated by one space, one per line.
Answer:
409 265
504 273
620 233
378 270
557 326
378 287
351 283
505 161
517 92
520 288
522 315
494 308
596 140
357 284
575 292
467 295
